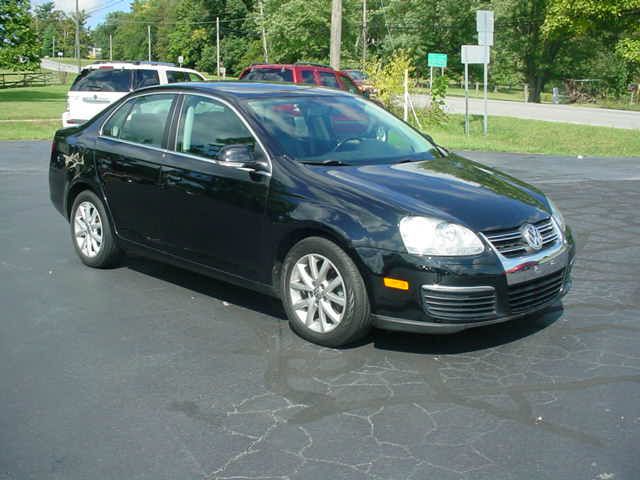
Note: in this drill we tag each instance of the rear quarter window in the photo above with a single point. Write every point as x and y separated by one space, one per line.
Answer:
103 80
175 76
146 78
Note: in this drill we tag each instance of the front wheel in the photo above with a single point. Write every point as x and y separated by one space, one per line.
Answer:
324 294
91 231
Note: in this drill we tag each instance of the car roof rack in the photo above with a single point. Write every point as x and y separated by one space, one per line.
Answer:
135 62
311 64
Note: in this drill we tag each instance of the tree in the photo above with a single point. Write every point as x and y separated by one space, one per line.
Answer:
298 30
615 21
18 46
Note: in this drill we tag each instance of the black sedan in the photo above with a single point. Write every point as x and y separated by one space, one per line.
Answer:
319 197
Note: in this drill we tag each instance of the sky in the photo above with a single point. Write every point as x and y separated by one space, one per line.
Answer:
98 9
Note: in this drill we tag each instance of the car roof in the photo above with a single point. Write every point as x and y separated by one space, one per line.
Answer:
139 66
236 89
313 66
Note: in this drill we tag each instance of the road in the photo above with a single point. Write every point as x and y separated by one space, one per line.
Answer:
49 64
602 117
146 371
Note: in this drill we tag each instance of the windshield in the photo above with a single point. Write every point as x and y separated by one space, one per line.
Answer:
356 74
339 130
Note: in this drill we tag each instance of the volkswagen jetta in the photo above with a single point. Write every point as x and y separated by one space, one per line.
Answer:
319 197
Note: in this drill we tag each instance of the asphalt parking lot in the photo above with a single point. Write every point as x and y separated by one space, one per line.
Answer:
150 372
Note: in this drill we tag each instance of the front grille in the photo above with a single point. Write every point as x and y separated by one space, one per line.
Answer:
511 244
459 304
535 293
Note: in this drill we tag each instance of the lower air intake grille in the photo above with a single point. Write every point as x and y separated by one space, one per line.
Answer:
535 293
459 304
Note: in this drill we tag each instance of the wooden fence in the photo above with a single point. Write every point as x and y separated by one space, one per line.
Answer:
28 79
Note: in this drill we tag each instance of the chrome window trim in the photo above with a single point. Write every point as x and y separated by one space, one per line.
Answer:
135 144
178 117
242 119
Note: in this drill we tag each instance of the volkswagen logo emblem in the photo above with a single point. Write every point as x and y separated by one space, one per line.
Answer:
532 236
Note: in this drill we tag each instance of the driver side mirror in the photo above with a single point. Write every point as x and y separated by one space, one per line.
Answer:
241 156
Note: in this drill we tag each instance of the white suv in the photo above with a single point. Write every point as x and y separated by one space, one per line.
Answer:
102 83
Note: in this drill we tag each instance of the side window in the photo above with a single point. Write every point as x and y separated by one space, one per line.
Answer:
207 125
141 120
307 77
174 76
146 78
328 79
349 86
113 127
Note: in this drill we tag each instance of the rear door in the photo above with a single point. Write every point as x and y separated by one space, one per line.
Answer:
129 154
96 89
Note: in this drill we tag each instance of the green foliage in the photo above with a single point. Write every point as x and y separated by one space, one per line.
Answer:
298 30
538 42
388 77
435 114
19 49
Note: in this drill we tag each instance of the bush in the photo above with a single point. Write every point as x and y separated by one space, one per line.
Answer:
388 78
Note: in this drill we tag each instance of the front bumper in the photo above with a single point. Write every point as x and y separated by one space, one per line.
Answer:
447 295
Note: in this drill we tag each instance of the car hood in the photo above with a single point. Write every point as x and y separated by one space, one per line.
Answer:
451 187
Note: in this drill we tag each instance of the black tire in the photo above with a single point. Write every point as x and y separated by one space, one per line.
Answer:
356 321
108 254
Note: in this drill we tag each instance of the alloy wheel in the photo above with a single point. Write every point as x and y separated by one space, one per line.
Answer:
87 227
317 292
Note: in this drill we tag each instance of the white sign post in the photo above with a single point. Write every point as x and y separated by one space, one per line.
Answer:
473 54
484 26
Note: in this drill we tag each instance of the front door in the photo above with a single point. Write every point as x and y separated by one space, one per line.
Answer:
214 211
129 154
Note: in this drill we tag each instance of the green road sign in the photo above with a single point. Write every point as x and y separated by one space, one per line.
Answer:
437 60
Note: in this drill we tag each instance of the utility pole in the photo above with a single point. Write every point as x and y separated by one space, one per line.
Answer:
78 37
218 46
110 47
364 33
149 39
264 33
336 33
53 48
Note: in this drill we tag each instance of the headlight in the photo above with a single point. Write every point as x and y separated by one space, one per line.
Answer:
557 215
431 236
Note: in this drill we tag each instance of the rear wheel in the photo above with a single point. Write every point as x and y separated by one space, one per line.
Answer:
91 231
324 294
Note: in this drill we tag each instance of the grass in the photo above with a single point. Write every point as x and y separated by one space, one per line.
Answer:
534 136
39 130
505 134
32 102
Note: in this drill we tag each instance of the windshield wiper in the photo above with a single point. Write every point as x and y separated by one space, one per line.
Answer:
329 163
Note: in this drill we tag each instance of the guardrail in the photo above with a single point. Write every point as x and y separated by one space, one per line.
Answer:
27 79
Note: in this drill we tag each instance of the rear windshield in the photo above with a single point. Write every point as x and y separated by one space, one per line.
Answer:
102 80
269 75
